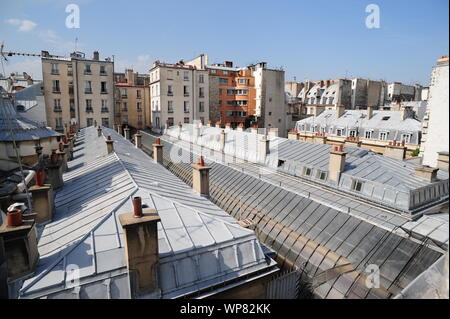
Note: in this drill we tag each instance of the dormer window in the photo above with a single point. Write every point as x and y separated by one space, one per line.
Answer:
307 171
322 175
357 185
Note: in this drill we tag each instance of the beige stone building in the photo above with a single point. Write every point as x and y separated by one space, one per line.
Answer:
179 93
78 90
132 97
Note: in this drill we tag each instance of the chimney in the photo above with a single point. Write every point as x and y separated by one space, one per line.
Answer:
62 156
327 83
138 139
227 125
218 124
99 131
200 177
67 150
395 150
337 163
119 129
273 131
293 135
426 172
19 246
54 171
442 161
229 64
369 112
320 138
223 138
209 124
141 245
263 148
158 151
96 56
254 129
404 113
109 145
196 132
42 199
126 132
240 128
340 109
166 126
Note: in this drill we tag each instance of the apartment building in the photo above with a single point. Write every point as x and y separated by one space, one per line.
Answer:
179 93
397 91
78 90
132 99
435 143
232 97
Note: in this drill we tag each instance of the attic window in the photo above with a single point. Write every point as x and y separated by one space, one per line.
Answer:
307 171
280 163
357 185
322 175
385 118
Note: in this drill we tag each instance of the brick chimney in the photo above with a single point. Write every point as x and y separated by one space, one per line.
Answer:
141 245
426 172
42 199
369 112
340 110
395 150
126 132
218 124
263 148
62 156
95 56
158 151
320 138
19 245
200 177
54 171
109 145
138 139
442 161
337 163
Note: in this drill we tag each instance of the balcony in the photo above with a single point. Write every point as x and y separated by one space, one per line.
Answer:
87 72
104 92
104 110
103 73
56 90
89 110
186 94
124 96
57 109
124 110
87 91
170 94
69 73
139 110
55 72
70 90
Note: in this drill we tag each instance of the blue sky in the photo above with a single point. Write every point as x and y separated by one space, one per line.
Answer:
309 39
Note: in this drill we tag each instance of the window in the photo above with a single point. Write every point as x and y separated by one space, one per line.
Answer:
237 103
89 121
201 107
103 88
87 87
140 120
58 123
87 69
89 106
104 106
213 71
186 90
186 76
157 121
57 105
307 171
125 119
105 122
123 93
170 121
169 75
102 71
186 120
352 133
385 118
186 106
340 132
357 185
322 175
242 81
384 136
72 105
69 69
368 134
55 86
169 90
139 106
225 72
170 106
223 80
55 69
236 92
138 94
406 138
201 78
201 92
125 106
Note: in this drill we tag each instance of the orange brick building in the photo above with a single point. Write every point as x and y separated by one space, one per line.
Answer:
232 94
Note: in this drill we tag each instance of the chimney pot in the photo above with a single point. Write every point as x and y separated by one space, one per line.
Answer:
137 205
14 218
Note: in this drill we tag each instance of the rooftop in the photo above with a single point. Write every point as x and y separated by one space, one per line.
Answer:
200 245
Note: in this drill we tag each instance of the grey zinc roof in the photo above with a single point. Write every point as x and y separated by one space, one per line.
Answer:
23 128
388 181
199 244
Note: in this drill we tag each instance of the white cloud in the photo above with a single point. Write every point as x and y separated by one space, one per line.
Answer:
57 43
142 64
24 25
143 58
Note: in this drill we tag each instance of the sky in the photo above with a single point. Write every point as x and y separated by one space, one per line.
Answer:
310 40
